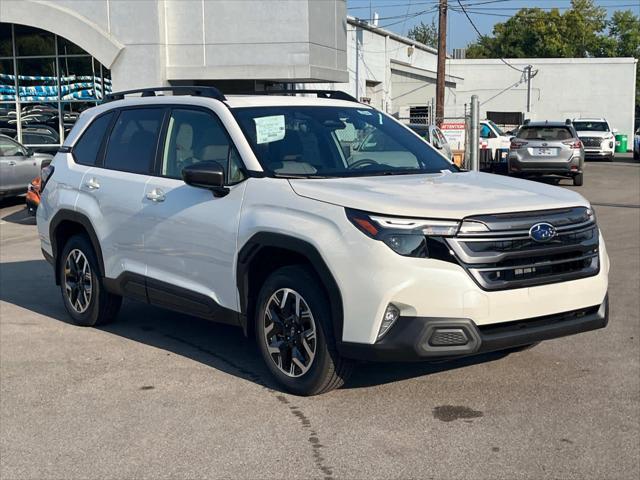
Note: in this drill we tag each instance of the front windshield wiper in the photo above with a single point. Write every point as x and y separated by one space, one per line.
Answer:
382 173
298 175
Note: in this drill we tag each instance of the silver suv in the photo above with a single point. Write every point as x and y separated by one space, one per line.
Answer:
547 148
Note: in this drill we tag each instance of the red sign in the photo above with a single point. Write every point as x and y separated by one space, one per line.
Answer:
452 126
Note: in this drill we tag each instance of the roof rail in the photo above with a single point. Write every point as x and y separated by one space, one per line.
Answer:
194 90
330 94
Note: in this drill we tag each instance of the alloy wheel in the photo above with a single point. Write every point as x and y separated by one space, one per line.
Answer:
289 331
78 281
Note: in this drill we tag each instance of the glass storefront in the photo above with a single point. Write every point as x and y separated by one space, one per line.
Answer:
45 82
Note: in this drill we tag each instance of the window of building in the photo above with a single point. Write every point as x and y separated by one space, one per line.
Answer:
133 141
45 82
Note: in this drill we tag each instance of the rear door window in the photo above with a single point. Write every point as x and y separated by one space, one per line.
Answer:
134 139
85 151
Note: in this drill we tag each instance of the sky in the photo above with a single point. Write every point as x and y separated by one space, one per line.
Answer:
400 15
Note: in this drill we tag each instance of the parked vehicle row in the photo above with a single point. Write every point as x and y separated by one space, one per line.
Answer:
324 228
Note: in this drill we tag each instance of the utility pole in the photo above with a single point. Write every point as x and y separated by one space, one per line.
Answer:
527 70
442 61
474 134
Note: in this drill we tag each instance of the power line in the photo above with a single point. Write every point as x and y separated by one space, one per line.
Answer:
481 36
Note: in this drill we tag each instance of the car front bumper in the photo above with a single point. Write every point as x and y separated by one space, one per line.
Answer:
423 338
598 153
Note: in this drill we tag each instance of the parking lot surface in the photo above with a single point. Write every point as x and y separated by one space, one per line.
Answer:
162 395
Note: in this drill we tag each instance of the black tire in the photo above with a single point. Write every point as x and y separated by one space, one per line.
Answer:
327 370
102 306
578 180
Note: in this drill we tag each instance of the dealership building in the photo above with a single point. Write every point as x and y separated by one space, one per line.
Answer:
60 57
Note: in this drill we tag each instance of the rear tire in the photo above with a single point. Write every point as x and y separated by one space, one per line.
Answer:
83 293
294 332
578 180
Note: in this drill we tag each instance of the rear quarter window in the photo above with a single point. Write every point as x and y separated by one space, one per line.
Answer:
86 149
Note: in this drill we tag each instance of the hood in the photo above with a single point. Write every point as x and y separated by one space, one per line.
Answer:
444 195
587 133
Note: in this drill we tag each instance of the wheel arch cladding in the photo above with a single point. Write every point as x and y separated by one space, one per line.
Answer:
264 253
63 226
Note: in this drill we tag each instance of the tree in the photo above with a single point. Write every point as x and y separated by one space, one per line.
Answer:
624 30
425 33
581 31
536 33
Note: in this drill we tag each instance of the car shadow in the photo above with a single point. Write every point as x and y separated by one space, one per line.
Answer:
218 346
20 217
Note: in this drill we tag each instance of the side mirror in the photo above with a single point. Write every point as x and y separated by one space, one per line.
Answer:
614 130
29 152
209 175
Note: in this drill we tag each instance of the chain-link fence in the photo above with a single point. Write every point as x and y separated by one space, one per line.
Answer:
456 131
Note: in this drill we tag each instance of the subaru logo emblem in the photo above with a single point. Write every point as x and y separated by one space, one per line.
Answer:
542 232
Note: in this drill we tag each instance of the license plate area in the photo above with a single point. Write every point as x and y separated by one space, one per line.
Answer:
544 152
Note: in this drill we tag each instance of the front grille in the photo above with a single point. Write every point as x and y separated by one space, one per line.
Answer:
506 257
591 141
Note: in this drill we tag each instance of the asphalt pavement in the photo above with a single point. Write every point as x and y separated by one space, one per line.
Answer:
161 395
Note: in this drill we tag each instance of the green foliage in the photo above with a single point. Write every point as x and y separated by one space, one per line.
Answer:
425 33
581 31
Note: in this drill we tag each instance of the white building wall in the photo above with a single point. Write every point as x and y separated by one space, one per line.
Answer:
372 55
152 42
562 88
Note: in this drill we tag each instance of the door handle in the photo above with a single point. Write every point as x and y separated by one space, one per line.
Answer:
156 195
11 163
92 184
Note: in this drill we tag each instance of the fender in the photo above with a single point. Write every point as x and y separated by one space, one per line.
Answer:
78 218
262 240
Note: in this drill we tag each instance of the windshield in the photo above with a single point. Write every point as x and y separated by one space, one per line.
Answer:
591 126
545 133
497 128
315 142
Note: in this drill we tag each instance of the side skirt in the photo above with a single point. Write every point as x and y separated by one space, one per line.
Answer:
165 295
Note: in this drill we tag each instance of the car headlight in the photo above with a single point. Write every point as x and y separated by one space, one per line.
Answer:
405 236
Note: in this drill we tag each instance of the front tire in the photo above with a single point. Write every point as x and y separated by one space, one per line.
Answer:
294 332
83 293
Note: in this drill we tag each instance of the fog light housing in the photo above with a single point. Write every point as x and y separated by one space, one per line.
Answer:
390 316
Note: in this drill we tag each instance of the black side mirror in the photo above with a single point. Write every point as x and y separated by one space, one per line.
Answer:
29 152
209 175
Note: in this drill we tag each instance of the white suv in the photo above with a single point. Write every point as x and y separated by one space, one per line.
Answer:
265 212
597 137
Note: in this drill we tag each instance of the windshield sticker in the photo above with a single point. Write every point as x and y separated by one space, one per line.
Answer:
270 129
364 112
